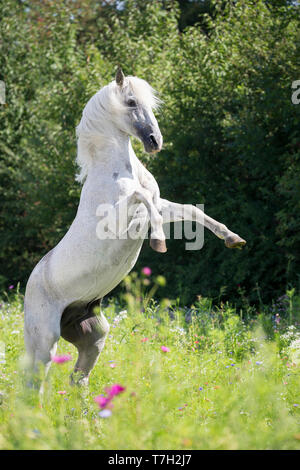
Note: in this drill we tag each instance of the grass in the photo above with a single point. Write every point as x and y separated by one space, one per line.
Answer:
228 380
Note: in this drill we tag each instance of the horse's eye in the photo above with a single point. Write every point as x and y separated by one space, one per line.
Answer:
131 103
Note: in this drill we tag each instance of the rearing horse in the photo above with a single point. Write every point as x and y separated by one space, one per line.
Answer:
65 285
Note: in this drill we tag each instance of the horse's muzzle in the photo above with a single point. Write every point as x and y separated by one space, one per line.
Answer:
152 143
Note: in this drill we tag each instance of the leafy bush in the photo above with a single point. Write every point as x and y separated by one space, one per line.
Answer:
229 126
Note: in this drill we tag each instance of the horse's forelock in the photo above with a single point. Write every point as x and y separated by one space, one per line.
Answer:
143 92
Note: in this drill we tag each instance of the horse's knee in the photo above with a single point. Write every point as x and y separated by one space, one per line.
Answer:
82 327
94 332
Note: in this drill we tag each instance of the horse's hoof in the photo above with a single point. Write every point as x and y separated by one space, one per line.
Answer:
158 245
234 241
79 380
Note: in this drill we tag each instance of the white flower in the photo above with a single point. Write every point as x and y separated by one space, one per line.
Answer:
120 316
178 329
105 413
294 351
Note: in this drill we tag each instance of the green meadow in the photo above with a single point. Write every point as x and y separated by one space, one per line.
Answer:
207 377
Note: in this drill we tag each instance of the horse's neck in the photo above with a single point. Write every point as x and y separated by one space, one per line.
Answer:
112 157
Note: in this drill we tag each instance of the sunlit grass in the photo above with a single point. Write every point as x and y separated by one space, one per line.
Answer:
221 385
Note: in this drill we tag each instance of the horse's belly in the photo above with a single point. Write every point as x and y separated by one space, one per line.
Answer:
121 263
91 272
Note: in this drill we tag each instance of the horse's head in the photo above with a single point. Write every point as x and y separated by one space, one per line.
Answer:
136 117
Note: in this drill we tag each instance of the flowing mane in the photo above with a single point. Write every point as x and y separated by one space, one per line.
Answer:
96 123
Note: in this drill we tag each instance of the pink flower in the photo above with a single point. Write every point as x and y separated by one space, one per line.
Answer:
147 271
105 402
114 390
113 365
62 392
11 287
102 401
165 349
143 340
61 359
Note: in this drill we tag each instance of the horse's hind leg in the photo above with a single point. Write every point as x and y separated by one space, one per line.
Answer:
41 333
81 326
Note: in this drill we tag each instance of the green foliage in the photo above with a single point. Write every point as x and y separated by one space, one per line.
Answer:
230 131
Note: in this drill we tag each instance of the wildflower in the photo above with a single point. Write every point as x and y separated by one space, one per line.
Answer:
105 413
11 287
113 365
200 388
61 359
114 390
294 351
102 401
143 340
165 349
105 402
61 392
161 281
295 404
121 315
187 442
147 271
259 363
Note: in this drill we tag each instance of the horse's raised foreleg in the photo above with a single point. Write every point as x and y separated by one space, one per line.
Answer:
87 330
157 237
173 212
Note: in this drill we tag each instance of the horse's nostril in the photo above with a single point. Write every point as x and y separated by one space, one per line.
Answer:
153 141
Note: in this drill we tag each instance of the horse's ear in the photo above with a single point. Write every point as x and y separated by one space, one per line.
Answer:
120 77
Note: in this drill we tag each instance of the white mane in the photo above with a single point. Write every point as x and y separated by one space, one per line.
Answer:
97 119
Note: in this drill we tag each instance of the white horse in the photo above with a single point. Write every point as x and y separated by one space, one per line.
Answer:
66 284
